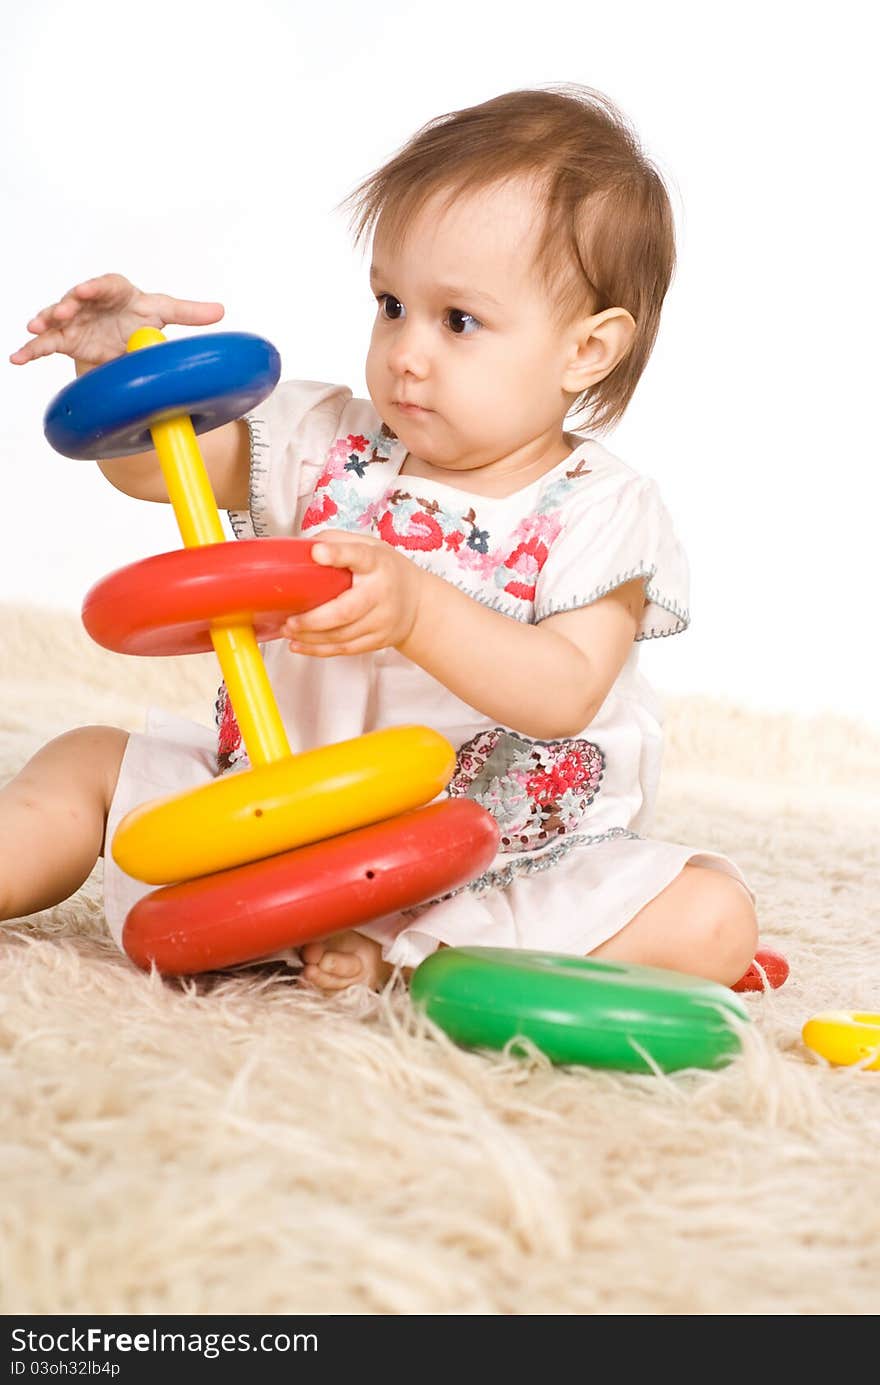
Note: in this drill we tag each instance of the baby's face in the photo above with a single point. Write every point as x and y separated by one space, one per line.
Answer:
465 330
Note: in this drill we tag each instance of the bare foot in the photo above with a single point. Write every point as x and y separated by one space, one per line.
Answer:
345 959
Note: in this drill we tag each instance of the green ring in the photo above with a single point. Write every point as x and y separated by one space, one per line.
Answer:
580 1010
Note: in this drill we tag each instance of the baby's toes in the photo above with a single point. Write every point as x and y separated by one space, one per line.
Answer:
335 971
311 953
346 965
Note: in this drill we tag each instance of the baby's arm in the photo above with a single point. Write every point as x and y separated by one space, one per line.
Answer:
92 324
547 681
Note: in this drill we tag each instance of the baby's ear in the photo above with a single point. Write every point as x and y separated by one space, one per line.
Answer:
599 343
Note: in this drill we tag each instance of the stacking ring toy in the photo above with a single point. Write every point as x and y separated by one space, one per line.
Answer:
169 603
287 803
242 914
145 400
845 1037
580 1009
250 871
113 410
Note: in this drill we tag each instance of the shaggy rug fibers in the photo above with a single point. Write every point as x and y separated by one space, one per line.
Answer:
237 1144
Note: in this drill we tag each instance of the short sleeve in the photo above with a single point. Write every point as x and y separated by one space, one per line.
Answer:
290 435
610 539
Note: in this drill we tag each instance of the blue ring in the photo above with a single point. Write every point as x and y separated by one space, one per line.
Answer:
213 379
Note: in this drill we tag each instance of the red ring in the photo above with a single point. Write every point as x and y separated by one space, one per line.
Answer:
775 968
166 604
251 911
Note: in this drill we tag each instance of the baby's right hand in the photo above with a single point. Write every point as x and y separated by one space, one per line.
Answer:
94 320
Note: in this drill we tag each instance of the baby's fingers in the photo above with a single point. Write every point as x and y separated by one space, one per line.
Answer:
62 311
336 548
101 283
43 345
184 312
104 291
354 638
331 615
47 326
40 321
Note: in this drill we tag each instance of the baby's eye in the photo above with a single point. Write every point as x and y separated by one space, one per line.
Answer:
456 315
385 298
392 310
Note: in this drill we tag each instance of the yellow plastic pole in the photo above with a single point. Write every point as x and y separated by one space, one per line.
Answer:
191 496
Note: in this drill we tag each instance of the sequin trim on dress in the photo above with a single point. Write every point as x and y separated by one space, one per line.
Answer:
535 790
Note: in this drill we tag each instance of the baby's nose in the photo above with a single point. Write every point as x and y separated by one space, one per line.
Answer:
409 353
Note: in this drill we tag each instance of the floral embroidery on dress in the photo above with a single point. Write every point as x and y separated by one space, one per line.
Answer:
535 790
414 523
230 747
512 564
348 457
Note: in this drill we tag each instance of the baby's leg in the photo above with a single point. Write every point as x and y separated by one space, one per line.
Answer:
52 818
703 923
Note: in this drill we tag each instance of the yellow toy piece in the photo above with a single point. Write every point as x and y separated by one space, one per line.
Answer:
275 807
198 519
845 1037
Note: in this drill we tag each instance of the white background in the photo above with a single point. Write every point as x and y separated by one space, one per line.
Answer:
201 148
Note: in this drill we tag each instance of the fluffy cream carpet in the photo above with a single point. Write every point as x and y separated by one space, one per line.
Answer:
236 1144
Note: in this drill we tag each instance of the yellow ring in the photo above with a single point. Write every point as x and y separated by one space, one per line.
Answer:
287 803
845 1037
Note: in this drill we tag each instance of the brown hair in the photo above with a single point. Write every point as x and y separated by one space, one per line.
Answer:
608 237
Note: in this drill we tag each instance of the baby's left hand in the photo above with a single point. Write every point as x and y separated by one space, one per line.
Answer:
379 609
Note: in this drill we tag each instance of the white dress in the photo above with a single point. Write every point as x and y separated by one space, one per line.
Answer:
576 862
